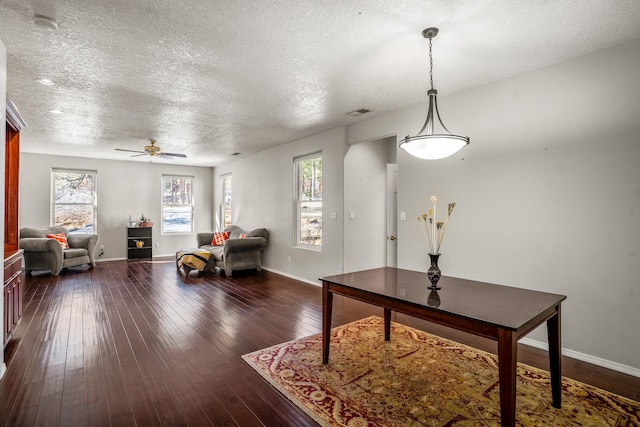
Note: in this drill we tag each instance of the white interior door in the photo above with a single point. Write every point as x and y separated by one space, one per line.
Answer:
392 216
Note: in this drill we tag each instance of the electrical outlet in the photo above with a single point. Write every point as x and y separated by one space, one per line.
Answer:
157 245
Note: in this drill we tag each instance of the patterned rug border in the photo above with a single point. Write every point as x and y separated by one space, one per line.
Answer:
299 403
323 422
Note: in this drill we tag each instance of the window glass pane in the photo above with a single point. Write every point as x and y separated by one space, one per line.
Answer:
177 204
226 213
226 184
74 187
310 179
176 219
74 200
77 218
226 201
311 223
309 203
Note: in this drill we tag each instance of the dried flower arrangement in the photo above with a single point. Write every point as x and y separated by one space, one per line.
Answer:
434 230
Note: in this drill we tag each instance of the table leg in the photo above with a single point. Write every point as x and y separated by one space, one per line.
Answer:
555 358
507 364
327 306
387 324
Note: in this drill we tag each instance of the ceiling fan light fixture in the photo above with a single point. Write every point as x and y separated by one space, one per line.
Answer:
430 144
152 150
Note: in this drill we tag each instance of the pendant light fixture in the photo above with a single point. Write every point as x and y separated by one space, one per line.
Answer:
433 144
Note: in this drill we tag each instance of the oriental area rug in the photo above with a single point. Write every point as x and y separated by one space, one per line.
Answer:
418 379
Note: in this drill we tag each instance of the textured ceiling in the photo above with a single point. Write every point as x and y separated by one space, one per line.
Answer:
209 78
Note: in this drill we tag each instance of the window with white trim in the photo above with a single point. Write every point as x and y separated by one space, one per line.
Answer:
177 204
225 206
308 200
74 199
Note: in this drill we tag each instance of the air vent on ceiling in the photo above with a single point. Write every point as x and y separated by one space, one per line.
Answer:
356 113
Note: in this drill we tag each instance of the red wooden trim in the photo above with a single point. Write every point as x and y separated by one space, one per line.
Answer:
11 174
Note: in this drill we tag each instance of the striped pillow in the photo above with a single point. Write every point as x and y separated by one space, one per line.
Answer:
219 238
61 238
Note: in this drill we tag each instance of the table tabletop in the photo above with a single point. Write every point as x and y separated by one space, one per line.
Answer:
495 305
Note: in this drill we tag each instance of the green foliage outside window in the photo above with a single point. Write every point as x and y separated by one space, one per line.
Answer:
309 203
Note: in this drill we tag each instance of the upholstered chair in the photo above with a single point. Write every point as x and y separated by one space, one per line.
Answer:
43 253
242 250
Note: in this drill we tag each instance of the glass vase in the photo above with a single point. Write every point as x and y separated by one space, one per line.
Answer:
433 273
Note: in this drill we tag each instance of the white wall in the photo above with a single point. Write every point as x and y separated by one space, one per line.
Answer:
263 197
123 188
548 194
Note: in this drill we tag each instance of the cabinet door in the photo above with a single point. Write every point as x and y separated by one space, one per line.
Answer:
17 301
8 317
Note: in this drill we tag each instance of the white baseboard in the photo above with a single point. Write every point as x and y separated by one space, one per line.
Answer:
3 369
172 254
110 259
291 276
615 366
125 258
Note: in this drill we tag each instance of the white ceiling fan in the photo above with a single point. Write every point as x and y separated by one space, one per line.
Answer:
154 151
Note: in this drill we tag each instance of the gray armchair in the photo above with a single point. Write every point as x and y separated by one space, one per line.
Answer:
42 253
236 253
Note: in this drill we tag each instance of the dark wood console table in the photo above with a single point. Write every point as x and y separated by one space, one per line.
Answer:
502 313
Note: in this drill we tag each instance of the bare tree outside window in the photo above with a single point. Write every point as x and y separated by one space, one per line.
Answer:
177 204
74 200
309 200
225 208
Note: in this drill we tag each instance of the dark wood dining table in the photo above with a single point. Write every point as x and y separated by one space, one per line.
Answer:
502 313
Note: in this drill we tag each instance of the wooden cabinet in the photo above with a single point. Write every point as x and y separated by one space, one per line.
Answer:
136 250
12 293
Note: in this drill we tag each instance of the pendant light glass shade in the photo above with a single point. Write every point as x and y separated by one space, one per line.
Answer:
430 143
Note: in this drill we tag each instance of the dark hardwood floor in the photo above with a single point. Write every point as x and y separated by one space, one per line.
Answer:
137 343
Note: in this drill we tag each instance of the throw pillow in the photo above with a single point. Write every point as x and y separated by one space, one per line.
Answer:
242 236
60 237
219 238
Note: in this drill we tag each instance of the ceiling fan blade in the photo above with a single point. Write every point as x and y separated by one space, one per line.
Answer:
174 155
163 156
138 155
132 151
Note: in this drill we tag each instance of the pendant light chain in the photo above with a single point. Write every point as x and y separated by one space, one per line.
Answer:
430 65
